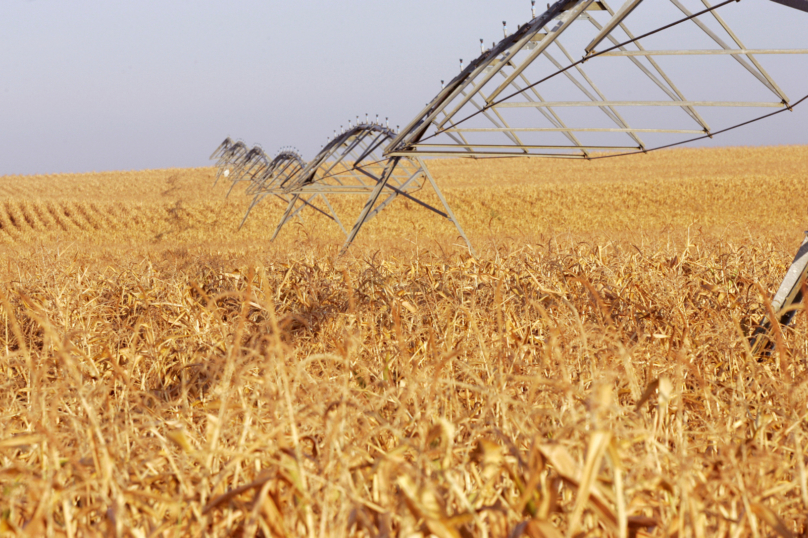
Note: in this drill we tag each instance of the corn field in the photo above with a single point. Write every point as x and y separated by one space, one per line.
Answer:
588 375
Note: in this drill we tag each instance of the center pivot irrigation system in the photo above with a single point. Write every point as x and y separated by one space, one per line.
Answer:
646 76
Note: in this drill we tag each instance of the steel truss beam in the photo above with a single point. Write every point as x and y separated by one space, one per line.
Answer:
349 164
352 163
485 89
474 114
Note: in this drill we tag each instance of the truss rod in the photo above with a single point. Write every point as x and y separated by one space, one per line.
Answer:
548 40
451 215
351 152
349 170
409 153
286 214
347 151
393 195
721 42
616 19
332 189
572 130
556 9
485 112
491 146
587 58
609 111
373 146
336 217
703 52
290 217
460 135
644 103
416 128
549 113
371 201
406 195
711 135
752 59
671 90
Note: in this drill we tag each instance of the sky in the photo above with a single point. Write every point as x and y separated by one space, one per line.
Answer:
92 85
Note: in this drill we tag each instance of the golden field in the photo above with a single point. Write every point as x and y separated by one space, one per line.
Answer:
164 374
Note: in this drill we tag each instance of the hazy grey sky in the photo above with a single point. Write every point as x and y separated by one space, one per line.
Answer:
116 85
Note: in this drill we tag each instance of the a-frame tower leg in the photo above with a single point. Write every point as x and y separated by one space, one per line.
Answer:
449 211
374 196
785 302
368 211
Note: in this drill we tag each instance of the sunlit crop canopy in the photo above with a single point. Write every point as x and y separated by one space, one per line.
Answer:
589 77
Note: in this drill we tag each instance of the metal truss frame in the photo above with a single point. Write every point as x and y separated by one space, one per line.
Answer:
496 84
237 163
371 208
785 303
352 163
499 81
227 155
372 160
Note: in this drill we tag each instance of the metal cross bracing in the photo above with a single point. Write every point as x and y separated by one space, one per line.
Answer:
611 87
352 163
784 305
283 170
238 163
284 166
644 76
227 155
616 84
528 95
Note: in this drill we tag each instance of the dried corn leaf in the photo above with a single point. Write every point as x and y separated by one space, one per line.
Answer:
772 520
21 441
565 465
179 438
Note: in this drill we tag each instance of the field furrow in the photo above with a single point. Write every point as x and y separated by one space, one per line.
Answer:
23 208
87 215
6 233
15 217
43 217
58 217
33 217
104 215
72 214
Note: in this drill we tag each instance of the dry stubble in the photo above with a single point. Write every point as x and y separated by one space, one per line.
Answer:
589 373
